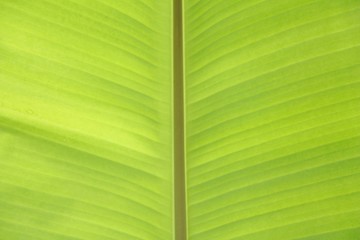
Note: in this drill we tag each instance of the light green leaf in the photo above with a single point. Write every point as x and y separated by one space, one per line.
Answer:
273 119
90 127
85 120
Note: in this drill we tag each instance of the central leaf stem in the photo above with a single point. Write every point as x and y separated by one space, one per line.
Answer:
179 129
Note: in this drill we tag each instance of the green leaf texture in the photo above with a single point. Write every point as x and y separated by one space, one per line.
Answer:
85 119
272 119
272 98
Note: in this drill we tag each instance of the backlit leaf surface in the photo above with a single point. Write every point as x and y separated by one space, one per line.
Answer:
272 98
